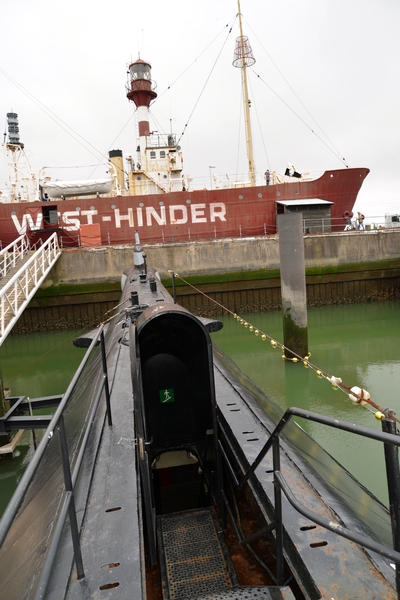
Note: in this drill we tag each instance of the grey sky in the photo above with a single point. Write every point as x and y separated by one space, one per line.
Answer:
339 57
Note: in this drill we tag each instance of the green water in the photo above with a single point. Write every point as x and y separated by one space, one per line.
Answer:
358 343
40 364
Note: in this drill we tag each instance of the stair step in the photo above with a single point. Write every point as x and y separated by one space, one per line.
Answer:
195 563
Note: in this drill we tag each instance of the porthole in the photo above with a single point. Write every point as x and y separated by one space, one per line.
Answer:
78 208
240 197
259 195
141 204
113 206
278 193
92 208
188 201
161 203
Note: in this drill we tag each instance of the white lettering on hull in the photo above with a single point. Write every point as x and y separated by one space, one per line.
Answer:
151 212
119 218
178 214
217 211
27 220
178 208
197 211
75 224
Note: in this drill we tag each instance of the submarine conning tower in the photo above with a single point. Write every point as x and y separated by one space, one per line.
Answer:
141 91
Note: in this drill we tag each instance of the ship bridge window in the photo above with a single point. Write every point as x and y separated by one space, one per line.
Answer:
152 155
162 153
50 215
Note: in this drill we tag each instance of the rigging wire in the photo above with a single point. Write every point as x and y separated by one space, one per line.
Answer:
168 88
300 118
239 143
333 148
197 58
75 135
356 397
260 129
205 84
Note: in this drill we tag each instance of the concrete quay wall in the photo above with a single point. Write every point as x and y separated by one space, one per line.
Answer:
225 256
239 274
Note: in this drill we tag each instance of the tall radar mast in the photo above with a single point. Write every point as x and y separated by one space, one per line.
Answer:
243 58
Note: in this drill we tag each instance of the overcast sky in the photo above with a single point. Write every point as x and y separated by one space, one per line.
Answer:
325 85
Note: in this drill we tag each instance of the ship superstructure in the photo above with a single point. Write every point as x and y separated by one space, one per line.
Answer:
157 166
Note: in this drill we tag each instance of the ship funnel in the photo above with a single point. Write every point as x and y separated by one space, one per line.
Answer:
13 129
115 157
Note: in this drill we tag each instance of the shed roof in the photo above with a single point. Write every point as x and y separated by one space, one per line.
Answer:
305 202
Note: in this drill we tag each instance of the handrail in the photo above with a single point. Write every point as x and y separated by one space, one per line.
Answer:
11 253
281 485
70 478
19 494
334 526
50 245
16 293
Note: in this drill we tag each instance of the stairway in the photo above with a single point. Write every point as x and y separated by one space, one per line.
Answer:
22 279
195 563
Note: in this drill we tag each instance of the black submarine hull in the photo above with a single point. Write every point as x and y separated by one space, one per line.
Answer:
184 425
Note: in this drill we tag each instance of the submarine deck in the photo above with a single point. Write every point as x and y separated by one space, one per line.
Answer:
111 544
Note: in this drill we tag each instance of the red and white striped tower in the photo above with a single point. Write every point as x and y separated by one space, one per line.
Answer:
141 91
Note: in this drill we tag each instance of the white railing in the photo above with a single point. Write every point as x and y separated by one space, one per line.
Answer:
13 254
18 291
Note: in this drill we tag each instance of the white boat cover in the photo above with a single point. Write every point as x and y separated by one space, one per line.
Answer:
56 189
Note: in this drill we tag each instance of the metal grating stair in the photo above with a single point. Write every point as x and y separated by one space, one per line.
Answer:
195 563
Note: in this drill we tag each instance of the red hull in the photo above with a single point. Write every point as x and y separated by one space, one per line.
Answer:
177 216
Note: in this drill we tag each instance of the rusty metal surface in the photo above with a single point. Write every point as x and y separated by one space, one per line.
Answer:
251 593
195 563
339 568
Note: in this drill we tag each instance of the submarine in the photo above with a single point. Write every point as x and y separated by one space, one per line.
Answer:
164 472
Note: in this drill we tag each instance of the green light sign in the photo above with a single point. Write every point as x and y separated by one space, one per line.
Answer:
167 396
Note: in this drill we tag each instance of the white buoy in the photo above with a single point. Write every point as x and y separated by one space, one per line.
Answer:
359 396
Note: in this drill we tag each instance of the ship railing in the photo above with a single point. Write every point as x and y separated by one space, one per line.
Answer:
52 476
391 440
16 293
12 255
160 140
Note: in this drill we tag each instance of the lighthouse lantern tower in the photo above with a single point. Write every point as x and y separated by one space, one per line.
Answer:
159 164
141 91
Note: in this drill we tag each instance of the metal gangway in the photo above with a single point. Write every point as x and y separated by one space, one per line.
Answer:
22 271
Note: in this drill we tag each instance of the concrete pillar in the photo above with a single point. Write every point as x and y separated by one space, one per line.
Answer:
293 283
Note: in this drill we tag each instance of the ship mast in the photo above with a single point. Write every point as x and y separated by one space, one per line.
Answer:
243 58
21 181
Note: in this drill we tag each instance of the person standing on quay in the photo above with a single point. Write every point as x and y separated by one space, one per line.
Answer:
360 219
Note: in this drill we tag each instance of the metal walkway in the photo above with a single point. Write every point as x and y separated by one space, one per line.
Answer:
196 564
22 271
